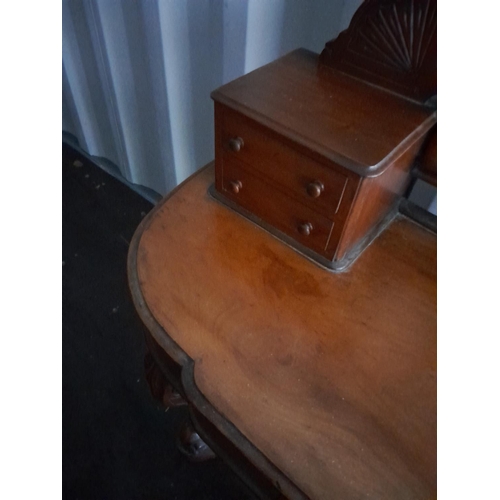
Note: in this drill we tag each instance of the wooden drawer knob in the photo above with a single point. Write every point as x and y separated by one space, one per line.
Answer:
315 188
305 228
236 144
235 186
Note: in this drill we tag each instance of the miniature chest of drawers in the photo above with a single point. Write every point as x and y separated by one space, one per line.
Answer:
315 156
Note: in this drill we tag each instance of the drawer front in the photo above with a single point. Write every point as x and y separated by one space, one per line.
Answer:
274 207
310 182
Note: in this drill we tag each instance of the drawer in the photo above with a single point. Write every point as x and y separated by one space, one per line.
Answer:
310 182
275 207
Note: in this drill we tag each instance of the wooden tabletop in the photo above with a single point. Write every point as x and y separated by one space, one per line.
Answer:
331 376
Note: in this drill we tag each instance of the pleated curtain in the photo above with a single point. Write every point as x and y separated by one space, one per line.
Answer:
137 74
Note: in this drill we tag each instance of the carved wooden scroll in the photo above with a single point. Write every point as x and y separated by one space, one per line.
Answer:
390 43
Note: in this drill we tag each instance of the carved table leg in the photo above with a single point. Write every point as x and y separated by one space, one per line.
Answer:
191 445
160 389
189 442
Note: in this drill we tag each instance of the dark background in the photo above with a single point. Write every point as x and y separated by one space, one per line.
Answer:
118 443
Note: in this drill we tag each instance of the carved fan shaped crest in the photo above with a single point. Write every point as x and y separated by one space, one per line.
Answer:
391 43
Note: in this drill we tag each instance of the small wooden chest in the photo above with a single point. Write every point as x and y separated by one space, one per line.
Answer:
317 157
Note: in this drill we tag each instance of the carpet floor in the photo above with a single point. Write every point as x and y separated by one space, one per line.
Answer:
118 443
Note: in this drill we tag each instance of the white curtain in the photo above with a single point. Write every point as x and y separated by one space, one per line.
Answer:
137 74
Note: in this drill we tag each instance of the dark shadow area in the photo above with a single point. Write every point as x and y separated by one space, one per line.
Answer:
118 443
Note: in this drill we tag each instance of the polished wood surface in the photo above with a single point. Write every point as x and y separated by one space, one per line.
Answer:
325 157
272 205
376 198
325 381
328 114
281 165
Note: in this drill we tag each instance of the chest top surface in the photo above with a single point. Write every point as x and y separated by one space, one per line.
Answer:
357 125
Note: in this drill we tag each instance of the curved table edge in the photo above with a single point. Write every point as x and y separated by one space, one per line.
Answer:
189 388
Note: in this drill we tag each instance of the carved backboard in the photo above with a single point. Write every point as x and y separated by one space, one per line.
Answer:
392 44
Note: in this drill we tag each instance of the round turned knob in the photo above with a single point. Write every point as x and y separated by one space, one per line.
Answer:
305 228
315 188
235 144
235 186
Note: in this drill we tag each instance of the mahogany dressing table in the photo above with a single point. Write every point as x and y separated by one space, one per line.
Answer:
306 353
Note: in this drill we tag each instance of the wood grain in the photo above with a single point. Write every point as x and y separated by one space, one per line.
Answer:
281 165
294 123
331 377
328 114
281 211
375 199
